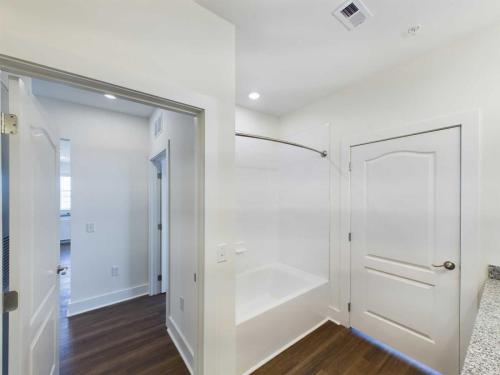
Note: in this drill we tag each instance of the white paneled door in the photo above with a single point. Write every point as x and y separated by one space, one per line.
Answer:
405 247
34 174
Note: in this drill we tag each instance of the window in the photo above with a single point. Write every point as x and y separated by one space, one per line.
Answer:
65 204
65 176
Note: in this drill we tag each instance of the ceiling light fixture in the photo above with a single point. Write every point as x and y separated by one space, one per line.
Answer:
254 95
110 96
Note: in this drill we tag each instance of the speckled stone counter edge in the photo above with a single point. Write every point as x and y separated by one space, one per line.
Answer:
483 353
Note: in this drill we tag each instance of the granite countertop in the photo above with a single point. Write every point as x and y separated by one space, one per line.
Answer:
483 353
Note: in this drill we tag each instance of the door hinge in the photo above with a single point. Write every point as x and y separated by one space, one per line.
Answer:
159 226
349 307
8 123
194 277
10 301
159 277
350 166
159 176
350 236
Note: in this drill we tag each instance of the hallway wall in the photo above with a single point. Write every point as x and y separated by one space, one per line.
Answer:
109 161
181 131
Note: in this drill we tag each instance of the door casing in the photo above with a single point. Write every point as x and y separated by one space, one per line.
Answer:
159 210
24 68
472 275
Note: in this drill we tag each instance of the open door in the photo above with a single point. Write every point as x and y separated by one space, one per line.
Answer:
34 168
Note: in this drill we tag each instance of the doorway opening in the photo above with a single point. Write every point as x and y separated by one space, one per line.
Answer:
99 151
64 225
159 221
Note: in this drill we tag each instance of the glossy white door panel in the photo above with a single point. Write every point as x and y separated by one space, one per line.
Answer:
405 202
34 236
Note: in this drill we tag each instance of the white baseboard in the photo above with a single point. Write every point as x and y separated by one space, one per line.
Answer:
93 303
285 347
180 343
335 315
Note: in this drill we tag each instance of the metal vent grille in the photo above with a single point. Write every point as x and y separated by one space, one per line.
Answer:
158 126
350 10
352 14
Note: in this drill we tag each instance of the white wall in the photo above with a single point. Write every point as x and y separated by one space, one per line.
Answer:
182 223
174 49
253 122
455 78
109 159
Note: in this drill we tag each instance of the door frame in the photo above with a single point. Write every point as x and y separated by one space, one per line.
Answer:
471 273
203 114
1 235
155 243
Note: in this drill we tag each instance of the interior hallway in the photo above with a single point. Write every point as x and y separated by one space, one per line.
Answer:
126 338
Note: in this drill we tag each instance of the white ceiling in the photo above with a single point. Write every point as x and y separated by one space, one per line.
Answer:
89 98
294 51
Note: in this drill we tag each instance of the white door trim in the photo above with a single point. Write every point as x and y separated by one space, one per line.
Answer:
205 109
153 213
472 275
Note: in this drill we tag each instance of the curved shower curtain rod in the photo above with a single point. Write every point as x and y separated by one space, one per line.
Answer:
246 135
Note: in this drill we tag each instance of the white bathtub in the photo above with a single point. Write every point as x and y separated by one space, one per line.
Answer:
275 305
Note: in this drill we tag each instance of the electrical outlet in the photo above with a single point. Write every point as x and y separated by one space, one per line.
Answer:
90 227
181 303
114 271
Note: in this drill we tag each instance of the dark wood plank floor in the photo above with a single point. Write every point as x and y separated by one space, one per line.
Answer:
126 338
130 338
335 350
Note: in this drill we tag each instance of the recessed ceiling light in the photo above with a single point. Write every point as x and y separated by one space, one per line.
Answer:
254 95
110 96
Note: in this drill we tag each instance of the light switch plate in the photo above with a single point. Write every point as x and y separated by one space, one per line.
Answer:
90 227
222 253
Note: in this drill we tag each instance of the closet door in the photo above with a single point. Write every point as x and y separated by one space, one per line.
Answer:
405 249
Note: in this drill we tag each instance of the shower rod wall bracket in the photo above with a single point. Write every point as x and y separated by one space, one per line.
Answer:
323 153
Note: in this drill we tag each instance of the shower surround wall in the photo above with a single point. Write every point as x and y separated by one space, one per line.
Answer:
304 201
283 196
256 192
283 226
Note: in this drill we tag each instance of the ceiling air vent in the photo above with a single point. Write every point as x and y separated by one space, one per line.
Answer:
158 126
352 14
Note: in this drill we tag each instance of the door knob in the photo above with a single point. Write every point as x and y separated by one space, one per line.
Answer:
61 270
450 266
